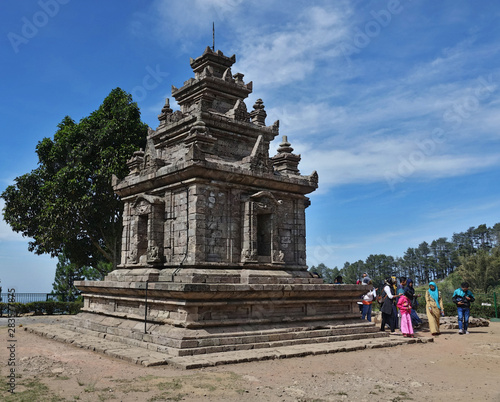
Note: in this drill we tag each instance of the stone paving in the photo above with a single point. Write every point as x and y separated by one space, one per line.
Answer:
146 357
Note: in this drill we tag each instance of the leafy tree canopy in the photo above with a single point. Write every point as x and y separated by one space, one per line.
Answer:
67 273
324 272
481 270
67 203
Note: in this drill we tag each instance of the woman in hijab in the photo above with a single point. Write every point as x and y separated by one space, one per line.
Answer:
410 294
434 307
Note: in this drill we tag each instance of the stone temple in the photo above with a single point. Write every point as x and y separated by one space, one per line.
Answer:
213 252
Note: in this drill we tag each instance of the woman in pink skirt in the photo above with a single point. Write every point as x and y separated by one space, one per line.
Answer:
404 307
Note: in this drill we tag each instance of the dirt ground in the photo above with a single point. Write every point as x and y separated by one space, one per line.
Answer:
454 367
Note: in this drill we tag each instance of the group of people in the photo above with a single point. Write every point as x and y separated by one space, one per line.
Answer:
402 297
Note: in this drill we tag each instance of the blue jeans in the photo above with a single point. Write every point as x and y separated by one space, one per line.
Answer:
463 318
367 312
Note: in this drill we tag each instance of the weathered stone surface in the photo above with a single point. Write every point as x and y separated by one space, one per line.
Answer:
149 355
214 236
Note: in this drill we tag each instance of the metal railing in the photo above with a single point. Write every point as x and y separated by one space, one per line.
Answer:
28 297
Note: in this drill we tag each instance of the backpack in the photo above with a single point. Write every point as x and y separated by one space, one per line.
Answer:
381 298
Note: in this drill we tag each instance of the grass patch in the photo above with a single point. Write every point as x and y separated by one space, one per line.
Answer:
208 387
403 396
148 377
166 396
133 388
32 390
106 397
175 384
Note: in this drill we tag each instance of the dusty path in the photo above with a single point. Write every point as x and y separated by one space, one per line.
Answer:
454 367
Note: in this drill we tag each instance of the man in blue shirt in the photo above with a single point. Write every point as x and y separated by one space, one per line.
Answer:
463 297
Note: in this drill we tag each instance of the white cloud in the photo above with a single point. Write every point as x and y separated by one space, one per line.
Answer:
291 55
389 162
186 21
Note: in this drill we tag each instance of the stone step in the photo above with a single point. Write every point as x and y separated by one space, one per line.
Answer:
146 357
277 344
226 341
284 352
242 342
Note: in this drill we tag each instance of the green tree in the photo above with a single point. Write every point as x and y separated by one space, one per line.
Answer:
495 234
66 275
426 263
379 267
481 270
67 203
446 257
352 272
482 237
464 242
328 274
409 263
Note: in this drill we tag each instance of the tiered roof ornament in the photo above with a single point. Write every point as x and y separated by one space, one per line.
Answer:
285 161
214 125
213 145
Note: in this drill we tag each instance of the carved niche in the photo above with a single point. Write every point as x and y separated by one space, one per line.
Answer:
260 229
146 230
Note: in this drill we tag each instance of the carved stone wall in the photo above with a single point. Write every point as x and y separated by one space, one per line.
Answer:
204 192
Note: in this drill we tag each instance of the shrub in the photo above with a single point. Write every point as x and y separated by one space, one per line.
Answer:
42 307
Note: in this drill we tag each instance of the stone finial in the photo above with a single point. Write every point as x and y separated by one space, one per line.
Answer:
134 164
259 104
165 112
286 162
284 147
258 115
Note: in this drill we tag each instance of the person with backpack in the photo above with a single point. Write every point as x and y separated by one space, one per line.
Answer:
387 303
367 301
463 297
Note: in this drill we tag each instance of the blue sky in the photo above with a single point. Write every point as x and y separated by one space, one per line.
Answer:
394 103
